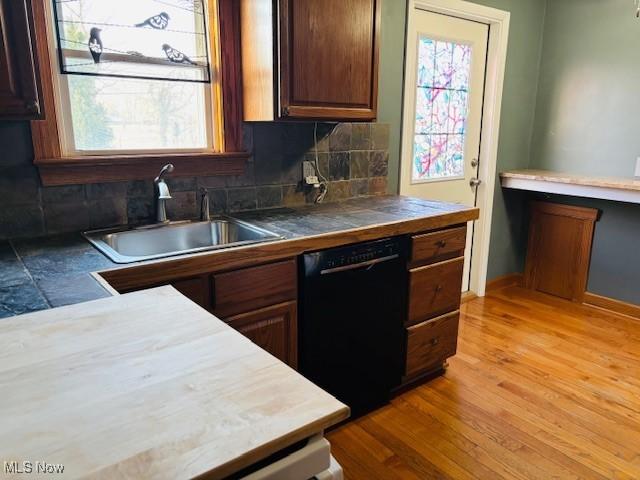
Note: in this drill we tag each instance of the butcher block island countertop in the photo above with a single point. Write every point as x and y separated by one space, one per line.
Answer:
147 385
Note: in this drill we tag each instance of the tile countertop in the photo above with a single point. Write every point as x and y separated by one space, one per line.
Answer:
48 272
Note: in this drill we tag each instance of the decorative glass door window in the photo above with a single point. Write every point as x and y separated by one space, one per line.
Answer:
442 104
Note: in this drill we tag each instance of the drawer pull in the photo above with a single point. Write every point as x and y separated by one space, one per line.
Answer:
439 288
442 244
435 341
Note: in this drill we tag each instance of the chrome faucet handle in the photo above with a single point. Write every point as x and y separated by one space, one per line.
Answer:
204 205
168 168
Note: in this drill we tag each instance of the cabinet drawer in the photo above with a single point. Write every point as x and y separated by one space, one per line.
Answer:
438 246
430 343
435 290
253 288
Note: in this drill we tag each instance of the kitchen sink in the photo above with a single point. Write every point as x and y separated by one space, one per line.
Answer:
177 238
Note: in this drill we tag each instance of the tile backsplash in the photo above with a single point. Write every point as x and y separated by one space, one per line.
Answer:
353 157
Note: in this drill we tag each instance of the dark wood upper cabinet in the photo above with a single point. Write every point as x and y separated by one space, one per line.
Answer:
310 59
19 86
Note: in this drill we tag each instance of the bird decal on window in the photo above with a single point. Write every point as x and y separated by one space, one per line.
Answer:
176 56
95 44
159 22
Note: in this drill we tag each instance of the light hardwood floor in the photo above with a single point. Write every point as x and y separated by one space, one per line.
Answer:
541 388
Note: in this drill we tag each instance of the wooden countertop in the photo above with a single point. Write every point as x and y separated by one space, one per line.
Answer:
607 188
573 179
147 385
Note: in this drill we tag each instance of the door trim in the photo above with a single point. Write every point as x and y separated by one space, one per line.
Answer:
498 22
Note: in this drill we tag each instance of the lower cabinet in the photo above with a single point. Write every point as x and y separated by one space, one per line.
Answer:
274 329
261 302
435 283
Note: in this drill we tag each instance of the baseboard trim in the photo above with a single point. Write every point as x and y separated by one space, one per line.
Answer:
612 305
512 279
467 297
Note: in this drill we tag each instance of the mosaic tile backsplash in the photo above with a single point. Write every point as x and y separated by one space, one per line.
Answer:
353 157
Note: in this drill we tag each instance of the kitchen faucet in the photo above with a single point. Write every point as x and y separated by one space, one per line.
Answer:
162 194
205 216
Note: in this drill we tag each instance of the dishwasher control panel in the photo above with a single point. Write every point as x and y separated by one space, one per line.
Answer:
353 255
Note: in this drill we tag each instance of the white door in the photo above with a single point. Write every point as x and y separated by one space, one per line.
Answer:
445 74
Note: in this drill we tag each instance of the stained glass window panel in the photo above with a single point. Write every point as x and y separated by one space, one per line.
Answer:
440 100
458 101
423 111
442 104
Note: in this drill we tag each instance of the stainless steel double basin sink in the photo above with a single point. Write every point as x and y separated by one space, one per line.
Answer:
178 238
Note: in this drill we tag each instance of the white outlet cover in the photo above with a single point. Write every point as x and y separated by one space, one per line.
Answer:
637 167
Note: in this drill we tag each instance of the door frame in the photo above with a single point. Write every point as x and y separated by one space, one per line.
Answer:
498 21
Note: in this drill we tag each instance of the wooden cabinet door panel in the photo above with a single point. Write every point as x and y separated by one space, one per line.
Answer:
274 329
197 289
256 287
19 89
435 290
329 58
430 343
559 249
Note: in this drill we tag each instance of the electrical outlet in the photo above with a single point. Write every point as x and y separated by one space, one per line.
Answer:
308 169
638 167
309 175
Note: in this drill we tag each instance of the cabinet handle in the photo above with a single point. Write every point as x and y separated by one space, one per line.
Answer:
439 288
32 106
435 341
442 243
285 111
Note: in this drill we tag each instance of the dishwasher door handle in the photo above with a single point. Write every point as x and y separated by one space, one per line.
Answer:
356 266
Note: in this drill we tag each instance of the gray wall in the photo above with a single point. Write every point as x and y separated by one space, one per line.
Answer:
587 122
391 81
587 114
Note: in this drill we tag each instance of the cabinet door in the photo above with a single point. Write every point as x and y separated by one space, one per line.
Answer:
197 289
329 59
274 329
19 90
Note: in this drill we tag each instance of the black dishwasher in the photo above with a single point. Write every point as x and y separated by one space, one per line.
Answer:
351 337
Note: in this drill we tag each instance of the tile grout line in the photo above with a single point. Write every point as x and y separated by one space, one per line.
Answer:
33 281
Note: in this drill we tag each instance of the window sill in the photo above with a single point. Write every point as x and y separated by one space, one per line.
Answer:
102 169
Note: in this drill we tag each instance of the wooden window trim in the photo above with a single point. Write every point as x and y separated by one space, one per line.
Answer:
56 169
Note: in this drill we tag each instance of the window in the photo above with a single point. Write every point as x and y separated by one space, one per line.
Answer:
441 110
140 104
103 110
